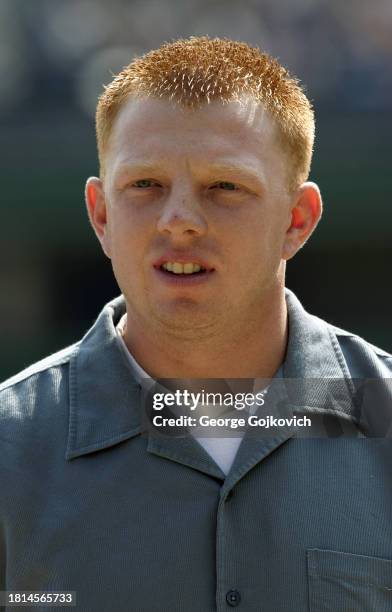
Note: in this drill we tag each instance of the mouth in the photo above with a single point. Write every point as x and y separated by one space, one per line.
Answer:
178 268
182 274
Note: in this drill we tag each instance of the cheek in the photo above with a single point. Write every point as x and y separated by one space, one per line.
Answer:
127 246
129 226
261 246
275 231
244 250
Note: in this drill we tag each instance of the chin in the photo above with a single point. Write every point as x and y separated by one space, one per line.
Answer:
186 315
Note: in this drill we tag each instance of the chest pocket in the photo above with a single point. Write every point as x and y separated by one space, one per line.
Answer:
342 582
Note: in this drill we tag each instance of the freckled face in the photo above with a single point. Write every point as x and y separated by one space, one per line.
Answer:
207 187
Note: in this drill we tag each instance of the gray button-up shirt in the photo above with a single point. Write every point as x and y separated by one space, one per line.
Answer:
147 523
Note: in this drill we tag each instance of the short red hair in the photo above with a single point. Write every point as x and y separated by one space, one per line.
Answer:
195 71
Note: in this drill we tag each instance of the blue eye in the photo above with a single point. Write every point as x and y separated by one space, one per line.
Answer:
143 183
226 186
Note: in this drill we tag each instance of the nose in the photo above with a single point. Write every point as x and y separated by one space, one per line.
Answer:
182 215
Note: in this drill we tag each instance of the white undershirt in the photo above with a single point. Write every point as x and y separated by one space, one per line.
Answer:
222 450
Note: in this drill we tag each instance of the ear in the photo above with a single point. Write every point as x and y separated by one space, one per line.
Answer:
306 210
97 211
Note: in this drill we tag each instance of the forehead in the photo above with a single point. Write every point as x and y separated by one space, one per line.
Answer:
150 128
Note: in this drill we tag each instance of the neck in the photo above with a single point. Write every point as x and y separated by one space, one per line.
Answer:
254 349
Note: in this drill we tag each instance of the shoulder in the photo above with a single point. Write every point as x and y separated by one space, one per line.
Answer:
323 350
43 388
41 384
34 419
51 361
363 358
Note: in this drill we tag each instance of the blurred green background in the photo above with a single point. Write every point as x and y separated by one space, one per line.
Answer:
54 59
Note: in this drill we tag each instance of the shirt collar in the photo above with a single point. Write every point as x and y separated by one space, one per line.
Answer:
106 400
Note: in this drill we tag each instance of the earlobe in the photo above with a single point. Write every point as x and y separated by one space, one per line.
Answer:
97 211
306 211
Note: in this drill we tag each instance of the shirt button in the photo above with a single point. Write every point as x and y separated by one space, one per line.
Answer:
233 598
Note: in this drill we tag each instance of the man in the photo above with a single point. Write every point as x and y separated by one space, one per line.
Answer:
205 149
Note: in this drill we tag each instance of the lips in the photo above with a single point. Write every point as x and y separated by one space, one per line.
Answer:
182 263
179 268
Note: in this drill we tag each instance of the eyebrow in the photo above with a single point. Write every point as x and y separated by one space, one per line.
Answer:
137 167
247 172
239 170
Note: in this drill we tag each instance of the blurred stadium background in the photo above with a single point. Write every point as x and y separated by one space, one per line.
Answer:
54 58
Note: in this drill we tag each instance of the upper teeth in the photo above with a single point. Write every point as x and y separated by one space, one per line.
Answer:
179 268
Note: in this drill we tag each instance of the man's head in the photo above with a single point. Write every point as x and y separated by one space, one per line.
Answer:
197 167
197 71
